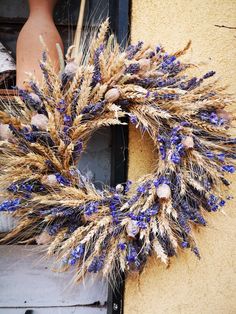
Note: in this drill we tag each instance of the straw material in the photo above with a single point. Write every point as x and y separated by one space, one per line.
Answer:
115 229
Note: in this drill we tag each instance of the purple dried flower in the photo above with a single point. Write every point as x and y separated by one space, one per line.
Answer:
175 157
222 203
127 186
144 187
61 106
132 68
204 116
133 49
66 130
97 73
214 118
132 255
164 83
44 56
67 119
221 121
162 151
62 212
190 84
196 252
148 94
133 199
93 109
161 83
26 187
133 119
142 224
175 139
166 97
209 74
213 203
207 184
78 147
168 65
91 208
27 134
162 146
97 263
78 252
72 261
213 198
231 141
158 49
62 180
132 216
114 208
123 102
153 210
121 246
14 188
200 219
209 154
183 223
141 189
145 82
151 54
10 205
55 227
180 148
221 156
155 95
32 100
214 208
169 59
35 88
161 180
184 244
46 76
228 168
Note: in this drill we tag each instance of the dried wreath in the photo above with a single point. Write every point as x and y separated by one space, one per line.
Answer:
115 229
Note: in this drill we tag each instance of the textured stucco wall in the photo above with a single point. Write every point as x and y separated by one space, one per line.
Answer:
188 286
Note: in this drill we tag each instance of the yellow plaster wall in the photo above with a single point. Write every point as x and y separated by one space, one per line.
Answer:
188 286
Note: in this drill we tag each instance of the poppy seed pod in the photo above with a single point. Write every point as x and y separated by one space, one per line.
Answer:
43 238
112 95
5 132
119 188
163 191
71 68
50 180
145 64
188 142
221 113
35 97
132 229
40 121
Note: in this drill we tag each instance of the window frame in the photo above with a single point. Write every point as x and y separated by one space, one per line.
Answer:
119 12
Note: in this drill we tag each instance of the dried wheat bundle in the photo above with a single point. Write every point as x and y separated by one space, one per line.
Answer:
115 229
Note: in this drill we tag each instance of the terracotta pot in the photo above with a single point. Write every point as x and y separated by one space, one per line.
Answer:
29 48
28 53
